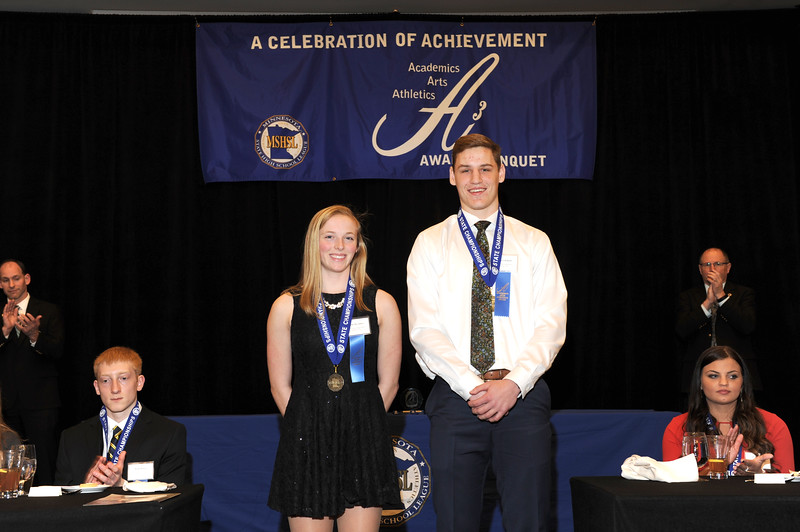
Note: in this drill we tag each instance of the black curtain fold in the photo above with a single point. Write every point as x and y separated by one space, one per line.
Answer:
104 200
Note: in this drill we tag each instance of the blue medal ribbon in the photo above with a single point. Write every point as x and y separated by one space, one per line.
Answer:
336 350
126 432
357 358
488 271
502 294
490 275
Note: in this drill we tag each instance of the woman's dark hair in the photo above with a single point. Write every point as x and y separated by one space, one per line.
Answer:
5 430
751 423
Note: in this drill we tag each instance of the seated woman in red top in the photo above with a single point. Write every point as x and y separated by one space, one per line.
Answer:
721 402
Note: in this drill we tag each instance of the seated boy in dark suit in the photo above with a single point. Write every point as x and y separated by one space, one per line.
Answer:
126 441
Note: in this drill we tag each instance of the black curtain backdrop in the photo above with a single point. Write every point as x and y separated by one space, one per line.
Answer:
103 198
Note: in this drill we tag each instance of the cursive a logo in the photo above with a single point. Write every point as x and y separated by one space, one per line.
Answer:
281 142
448 107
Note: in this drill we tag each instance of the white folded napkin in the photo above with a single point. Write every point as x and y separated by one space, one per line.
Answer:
45 491
147 487
771 478
683 469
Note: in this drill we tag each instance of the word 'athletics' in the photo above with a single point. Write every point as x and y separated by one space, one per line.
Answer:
381 40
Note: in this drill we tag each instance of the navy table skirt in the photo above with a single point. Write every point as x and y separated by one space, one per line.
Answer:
585 443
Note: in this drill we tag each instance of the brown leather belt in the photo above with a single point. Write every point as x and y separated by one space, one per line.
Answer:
494 375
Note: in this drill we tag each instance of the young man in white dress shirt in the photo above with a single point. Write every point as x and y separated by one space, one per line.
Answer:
491 410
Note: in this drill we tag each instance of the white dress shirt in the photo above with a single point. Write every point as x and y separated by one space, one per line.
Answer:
439 300
23 305
22 309
707 312
110 432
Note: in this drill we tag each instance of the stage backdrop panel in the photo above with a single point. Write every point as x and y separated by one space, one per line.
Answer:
322 101
233 456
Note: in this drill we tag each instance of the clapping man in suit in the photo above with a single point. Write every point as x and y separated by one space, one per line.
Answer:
720 312
31 343
126 441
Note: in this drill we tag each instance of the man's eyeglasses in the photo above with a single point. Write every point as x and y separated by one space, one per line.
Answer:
715 264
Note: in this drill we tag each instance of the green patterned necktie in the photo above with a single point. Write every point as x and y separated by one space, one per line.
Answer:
112 445
482 331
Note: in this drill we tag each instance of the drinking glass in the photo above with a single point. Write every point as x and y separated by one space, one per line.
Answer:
696 443
27 467
717 452
9 472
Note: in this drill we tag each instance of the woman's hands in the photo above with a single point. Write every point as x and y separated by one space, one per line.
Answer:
751 467
734 443
745 467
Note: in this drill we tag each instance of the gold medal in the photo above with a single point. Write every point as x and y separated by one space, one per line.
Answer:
335 382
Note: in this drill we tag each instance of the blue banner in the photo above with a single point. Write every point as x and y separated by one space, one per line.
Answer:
387 100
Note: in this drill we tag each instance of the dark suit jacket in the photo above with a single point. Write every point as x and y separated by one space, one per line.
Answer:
153 438
736 321
28 375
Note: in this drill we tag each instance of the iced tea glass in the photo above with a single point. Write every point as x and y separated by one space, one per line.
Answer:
717 453
10 461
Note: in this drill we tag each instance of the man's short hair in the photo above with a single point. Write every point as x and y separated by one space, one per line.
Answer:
724 254
476 140
112 355
18 263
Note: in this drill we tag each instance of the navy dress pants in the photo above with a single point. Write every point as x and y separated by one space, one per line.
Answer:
518 448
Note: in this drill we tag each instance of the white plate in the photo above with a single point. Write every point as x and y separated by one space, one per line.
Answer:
147 487
92 489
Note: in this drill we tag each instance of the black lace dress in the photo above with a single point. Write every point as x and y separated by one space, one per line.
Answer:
335 451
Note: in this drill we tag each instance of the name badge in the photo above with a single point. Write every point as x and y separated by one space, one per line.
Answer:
360 326
509 263
140 471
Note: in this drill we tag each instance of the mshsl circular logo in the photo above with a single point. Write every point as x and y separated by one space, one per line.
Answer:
415 482
281 142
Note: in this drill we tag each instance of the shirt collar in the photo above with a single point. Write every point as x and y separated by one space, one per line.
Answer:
112 424
471 219
23 305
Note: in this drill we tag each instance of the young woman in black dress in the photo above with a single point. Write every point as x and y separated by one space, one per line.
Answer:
333 353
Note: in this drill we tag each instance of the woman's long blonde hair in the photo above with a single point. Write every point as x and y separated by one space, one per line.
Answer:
310 285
